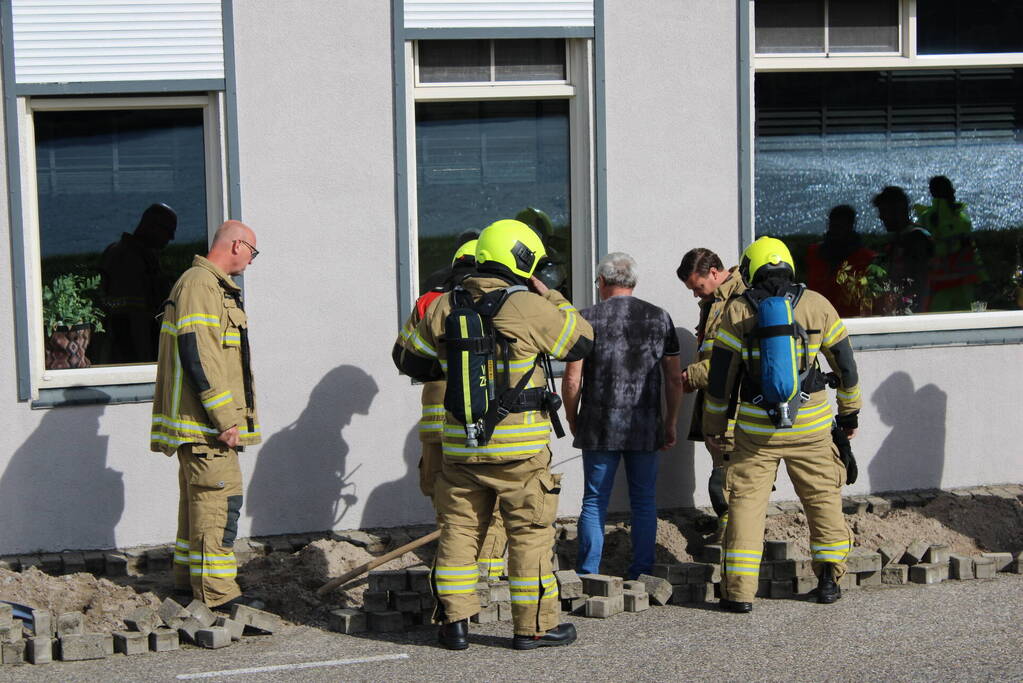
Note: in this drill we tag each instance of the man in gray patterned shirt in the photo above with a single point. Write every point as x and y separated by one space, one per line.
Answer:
619 384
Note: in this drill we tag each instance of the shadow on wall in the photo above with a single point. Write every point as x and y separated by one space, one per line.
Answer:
399 502
57 492
301 481
912 456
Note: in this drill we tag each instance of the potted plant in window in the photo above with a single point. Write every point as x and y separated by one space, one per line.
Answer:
69 316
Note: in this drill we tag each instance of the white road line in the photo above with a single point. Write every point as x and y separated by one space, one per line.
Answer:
287 667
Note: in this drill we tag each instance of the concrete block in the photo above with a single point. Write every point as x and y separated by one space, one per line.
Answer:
765 572
782 588
52 563
895 574
70 623
483 593
658 588
700 593
681 594
143 620
937 554
790 507
863 561
115 564
213 638
171 612
925 572
602 607
868 579
386 622
504 611
279 544
12 633
848 581
890 552
408 601
569 584
136 560
1002 560
854 506
961 567
159 560
600 585
711 553
9 563
984 567
1016 566
80 646
779 550
163 640
914 499
188 628
297 542
428 601
915 552
419 579
636 600
203 614
13 654
348 621
371 542
763 588
781 570
576 606
568 532
675 574
486 615
388 580
131 642
702 572
500 591
26 562
72 562
375 601
236 629
774 509
6 615
39 650
43 624
804 584
878 505
256 621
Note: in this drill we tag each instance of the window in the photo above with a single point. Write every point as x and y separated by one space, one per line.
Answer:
827 26
124 191
965 26
501 131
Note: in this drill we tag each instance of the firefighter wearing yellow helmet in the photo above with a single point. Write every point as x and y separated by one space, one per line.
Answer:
508 462
796 430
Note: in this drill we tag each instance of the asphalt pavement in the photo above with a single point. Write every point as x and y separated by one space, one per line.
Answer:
962 631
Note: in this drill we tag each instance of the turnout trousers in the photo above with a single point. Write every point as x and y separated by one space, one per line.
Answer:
817 475
494 544
210 488
526 493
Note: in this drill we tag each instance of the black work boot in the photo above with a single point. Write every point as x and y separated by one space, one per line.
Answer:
454 636
828 589
562 634
737 607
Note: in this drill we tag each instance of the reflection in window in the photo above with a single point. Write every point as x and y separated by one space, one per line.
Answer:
947 145
969 26
478 162
823 26
97 172
488 61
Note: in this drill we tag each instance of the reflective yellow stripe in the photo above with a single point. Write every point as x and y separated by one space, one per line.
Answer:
504 431
752 411
466 389
419 343
464 570
521 448
836 331
848 394
220 399
567 329
729 341
822 424
199 319
168 328
712 406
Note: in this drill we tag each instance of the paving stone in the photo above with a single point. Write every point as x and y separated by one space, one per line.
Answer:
577 606
163 640
419 579
774 509
6 615
701 592
115 565
28 561
70 623
633 585
854 506
896 499
658 588
39 650
895 574
781 570
43 624
790 507
203 614
72 562
868 579
675 574
13 653
914 499
804 584
504 611
569 584
348 621
213 638
568 532
136 558
12 633
172 612
602 607
297 542
407 601
961 567
890 552
915 552
765 572
159 560
763 588
428 601
711 553
143 620
681 594
636 600
961 493
94 562
375 601
863 561
10 564
278 544
1002 560
234 628
984 567
878 505
779 550
131 642
486 615
256 621
804 567
386 622
702 572
483 593
52 564
81 646
600 585
781 588
938 554
388 580
188 627
848 581
371 542
500 591
1016 566
925 572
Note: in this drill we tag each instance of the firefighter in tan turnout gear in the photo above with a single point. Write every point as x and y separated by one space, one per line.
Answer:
508 459
798 432
431 424
204 411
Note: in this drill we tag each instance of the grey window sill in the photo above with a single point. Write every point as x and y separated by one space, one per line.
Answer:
99 395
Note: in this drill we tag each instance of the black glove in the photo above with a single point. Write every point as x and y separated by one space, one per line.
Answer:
845 453
850 421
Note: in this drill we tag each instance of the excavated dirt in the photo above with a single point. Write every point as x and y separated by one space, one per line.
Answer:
288 582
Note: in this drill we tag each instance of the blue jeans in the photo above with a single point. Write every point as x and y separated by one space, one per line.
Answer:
599 468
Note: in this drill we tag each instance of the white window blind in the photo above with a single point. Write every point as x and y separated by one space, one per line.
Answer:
68 41
497 13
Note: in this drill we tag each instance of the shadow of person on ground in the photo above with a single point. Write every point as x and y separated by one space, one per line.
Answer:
301 481
400 502
57 492
912 456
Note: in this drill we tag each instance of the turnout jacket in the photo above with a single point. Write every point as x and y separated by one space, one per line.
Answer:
711 315
737 351
536 324
204 382
431 424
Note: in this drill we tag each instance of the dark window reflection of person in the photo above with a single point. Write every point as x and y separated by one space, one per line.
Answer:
841 247
908 253
956 266
134 286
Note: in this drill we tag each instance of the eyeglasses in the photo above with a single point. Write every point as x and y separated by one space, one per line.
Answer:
252 249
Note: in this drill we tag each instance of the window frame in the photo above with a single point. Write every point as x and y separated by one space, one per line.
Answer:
579 89
213 107
752 63
827 53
